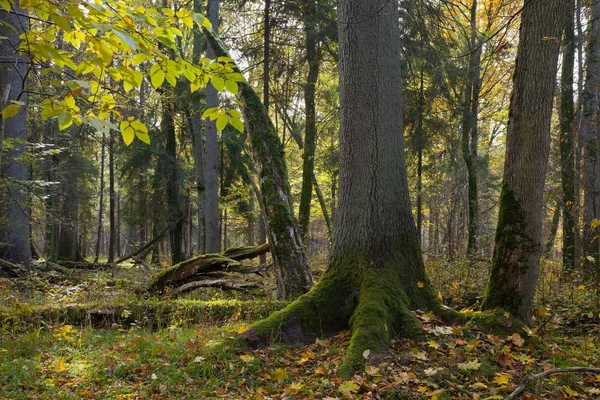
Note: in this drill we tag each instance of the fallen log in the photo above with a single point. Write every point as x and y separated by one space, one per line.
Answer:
224 284
11 270
196 268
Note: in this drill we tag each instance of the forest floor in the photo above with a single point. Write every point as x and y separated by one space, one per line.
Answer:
93 337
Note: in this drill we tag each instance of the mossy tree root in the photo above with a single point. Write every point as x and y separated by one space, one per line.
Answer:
371 301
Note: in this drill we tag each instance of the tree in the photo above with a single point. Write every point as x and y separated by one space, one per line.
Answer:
376 273
567 141
590 138
14 213
211 195
518 247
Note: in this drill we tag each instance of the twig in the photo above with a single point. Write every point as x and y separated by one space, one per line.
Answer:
517 393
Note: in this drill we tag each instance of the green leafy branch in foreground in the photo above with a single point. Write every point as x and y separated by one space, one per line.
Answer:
93 51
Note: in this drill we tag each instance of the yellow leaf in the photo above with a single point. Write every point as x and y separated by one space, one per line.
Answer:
231 86
242 329
60 366
279 374
5 4
247 358
10 111
502 379
221 122
517 339
321 370
348 387
433 344
157 76
420 285
470 365
439 295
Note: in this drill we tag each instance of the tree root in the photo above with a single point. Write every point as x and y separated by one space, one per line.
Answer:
525 381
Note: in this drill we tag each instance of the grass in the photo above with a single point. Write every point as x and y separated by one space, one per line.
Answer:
49 353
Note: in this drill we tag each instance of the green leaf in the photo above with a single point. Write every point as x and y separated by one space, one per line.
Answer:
5 4
157 76
127 39
128 132
221 122
65 120
138 59
231 86
10 111
237 124
218 83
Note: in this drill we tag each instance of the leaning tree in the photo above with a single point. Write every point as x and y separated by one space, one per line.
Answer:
376 274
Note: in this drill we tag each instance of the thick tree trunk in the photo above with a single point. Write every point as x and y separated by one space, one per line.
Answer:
211 194
590 138
515 264
310 133
567 142
14 210
469 129
376 273
292 271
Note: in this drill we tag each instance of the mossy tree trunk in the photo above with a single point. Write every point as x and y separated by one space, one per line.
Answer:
567 141
515 264
376 274
590 138
292 271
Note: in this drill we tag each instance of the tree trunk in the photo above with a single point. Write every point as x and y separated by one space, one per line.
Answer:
590 138
567 142
310 135
553 230
420 145
14 211
112 236
292 271
101 206
376 272
211 194
515 264
469 129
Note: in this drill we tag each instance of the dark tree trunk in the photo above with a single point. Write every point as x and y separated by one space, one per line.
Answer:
211 194
553 230
101 206
420 145
112 196
515 264
172 178
590 138
567 142
469 129
15 243
376 272
310 135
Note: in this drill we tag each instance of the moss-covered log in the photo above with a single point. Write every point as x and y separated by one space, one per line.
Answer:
199 266
292 271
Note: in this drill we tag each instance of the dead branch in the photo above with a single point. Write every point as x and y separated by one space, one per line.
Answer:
525 381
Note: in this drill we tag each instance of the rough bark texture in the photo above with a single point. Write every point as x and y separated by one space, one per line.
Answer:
567 141
292 271
211 194
590 138
515 264
14 212
310 132
469 128
376 273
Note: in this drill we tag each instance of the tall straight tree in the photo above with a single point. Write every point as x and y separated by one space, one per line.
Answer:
14 211
376 273
469 127
567 141
310 132
518 247
590 138
211 194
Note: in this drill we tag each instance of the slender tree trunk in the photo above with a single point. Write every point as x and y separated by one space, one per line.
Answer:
553 230
376 272
469 129
112 196
310 135
101 206
15 243
567 142
211 195
420 144
590 138
515 264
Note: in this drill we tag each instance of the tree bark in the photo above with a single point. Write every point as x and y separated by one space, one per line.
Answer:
518 247
553 230
567 141
469 129
292 271
590 138
101 205
211 194
376 272
310 133
14 212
